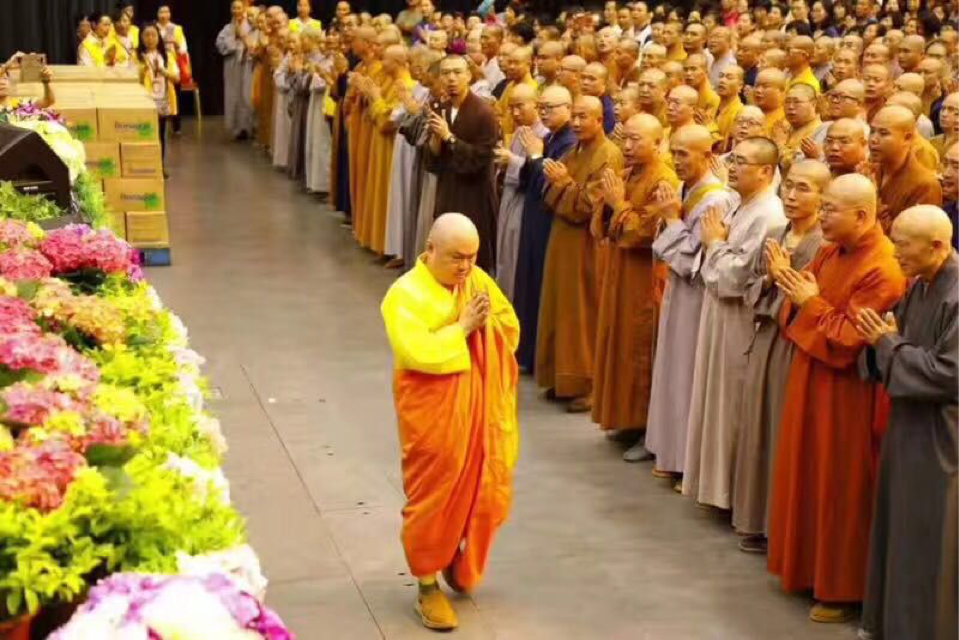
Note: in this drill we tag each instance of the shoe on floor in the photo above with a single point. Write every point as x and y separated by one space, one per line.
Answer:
752 544
395 263
637 453
862 634
581 404
435 610
833 613
663 475
626 436
551 395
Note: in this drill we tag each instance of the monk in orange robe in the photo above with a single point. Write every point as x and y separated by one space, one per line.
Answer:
359 128
825 469
567 313
627 224
453 335
382 101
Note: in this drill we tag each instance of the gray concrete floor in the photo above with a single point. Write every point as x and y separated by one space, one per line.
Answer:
286 309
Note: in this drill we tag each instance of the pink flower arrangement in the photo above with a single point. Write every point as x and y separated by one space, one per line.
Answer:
24 264
28 404
16 317
77 247
14 233
48 354
38 476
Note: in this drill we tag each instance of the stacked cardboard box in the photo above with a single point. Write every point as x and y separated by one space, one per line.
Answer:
110 112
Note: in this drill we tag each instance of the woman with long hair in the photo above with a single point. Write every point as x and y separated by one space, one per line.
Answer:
821 16
159 74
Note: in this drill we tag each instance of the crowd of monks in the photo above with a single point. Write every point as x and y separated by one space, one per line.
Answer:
728 235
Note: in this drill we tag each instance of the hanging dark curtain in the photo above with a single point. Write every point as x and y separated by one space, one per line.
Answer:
44 26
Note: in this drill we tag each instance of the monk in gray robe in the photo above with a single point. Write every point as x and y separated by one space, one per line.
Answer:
237 73
679 246
913 353
522 108
770 355
731 243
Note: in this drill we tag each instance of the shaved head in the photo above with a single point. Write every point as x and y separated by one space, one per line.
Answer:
575 63
856 191
908 100
925 221
450 226
896 117
849 209
685 93
816 171
555 94
451 249
911 82
597 68
589 104
693 136
773 76
522 93
647 124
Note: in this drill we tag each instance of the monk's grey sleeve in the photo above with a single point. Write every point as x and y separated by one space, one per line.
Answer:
911 372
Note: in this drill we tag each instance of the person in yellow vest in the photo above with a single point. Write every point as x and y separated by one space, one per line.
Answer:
159 74
99 48
126 8
171 32
126 45
303 18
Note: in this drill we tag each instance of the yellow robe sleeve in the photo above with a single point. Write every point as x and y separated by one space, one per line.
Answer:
416 346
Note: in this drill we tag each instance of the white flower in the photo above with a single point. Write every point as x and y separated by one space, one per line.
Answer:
204 480
210 427
240 564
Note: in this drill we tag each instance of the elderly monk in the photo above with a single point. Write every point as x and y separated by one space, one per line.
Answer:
799 54
460 153
911 82
823 482
721 47
453 334
846 147
567 314
570 74
654 55
903 180
518 73
801 124
731 242
912 353
729 85
555 108
695 76
770 355
679 246
627 62
626 224
651 90
950 189
680 111
524 114
674 74
932 75
595 81
768 96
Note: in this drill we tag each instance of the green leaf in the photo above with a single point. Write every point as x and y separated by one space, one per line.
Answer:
33 602
118 481
14 602
27 289
108 455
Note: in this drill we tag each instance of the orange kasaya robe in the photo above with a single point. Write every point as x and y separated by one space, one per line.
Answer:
570 297
382 136
626 328
825 469
455 398
360 136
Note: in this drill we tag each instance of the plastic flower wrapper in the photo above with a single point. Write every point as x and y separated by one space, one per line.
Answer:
149 607
240 564
210 428
203 480
38 476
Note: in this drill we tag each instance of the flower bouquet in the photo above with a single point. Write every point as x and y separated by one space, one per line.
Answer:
172 608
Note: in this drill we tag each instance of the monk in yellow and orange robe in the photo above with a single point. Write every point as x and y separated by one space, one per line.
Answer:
453 335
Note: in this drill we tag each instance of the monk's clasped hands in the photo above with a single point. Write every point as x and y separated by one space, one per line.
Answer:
872 327
713 228
798 287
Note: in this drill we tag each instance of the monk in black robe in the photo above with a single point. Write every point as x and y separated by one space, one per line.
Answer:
913 353
464 133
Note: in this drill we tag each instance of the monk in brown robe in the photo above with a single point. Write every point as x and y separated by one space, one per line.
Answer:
567 314
903 180
460 153
824 477
651 90
926 154
877 81
846 147
359 127
626 328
